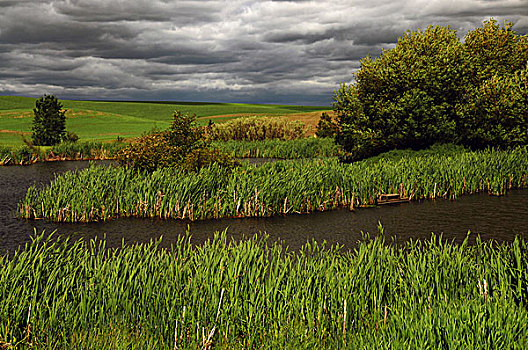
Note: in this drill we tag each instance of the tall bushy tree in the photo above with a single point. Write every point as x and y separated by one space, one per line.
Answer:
494 50
49 123
494 111
432 88
497 112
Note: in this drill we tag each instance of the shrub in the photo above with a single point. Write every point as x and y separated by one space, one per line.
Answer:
257 128
49 123
203 157
150 152
182 145
70 137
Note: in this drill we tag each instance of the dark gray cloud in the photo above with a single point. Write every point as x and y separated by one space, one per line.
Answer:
239 50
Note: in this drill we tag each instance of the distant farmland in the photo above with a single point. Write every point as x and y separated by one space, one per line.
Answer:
105 121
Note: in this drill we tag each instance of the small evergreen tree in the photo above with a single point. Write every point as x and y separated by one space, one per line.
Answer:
49 123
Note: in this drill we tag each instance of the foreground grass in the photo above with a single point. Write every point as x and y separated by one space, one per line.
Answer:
301 186
424 295
104 121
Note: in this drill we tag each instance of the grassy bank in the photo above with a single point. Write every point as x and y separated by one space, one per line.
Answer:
104 121
88 150
430 294
287 149
92 150
283 187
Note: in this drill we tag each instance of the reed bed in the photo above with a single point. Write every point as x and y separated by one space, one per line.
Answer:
258 129
428 294
22 155
286 149
87 150
283 187
26 155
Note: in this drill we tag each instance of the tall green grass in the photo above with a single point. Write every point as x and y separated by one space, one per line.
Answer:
424 295
87 150
287 149
300 186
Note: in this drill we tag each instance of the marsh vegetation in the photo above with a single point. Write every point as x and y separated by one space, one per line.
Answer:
416 126
250 295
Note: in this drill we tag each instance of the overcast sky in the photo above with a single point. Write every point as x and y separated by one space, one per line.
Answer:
292 52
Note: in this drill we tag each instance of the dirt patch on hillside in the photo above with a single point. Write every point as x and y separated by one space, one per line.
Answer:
310 118
236 115
14 132
16 115
74 113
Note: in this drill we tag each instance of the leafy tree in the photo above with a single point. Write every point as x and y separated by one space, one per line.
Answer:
495 106
494 50
497 114
49 123
184 132
431 88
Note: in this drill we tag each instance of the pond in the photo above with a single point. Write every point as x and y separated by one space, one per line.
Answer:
499 218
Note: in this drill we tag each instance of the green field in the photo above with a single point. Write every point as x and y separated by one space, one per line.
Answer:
104 121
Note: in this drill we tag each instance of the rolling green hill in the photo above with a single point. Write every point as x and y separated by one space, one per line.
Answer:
106 120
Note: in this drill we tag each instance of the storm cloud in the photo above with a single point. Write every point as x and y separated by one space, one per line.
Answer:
294 52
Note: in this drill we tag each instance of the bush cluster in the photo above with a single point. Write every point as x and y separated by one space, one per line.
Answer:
433 88
182 145
257 129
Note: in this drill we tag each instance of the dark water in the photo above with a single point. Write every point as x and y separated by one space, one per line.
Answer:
499 218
